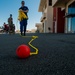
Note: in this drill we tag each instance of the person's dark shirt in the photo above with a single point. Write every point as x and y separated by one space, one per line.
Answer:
24 9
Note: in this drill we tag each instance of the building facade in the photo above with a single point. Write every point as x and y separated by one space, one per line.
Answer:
52 19
69 7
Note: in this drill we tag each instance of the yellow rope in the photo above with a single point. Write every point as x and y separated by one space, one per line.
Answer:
36 49
21 15
36 52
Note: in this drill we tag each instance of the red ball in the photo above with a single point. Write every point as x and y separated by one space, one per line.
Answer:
23 51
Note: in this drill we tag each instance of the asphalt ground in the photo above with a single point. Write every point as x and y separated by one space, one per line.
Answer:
56 55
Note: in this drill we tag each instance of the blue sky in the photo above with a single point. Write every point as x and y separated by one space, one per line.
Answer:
8 7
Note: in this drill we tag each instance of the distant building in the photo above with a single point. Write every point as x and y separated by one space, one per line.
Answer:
40 28
17 31
1 30
28 31
33 30
69 7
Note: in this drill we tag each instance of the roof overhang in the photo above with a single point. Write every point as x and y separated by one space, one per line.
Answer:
43 17
61 3
42 3
70 15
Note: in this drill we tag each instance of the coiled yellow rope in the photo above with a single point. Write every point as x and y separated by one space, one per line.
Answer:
20 18
21 15
36 49
33 38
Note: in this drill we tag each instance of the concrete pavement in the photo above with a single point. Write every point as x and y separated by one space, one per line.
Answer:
56 55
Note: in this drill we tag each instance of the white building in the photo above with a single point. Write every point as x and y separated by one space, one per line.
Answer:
39 27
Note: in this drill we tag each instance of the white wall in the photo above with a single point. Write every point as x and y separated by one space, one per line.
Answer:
49 17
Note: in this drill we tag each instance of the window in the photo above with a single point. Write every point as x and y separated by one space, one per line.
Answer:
71 18
50 2
71 8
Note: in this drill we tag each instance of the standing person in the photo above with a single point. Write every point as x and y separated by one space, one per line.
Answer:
10 20
23 22
5 27
10 23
